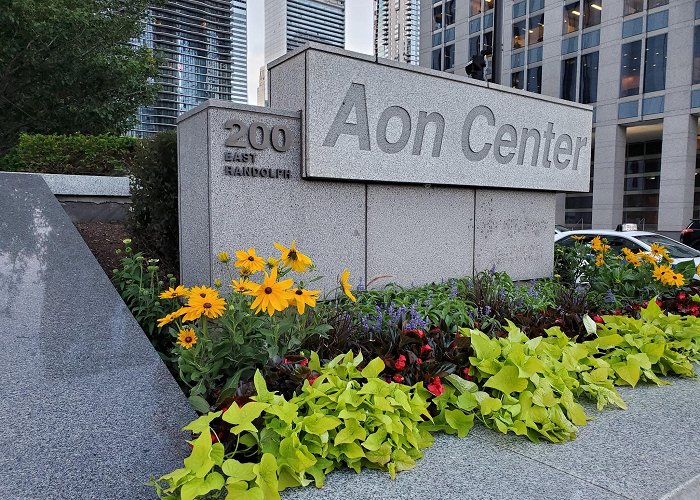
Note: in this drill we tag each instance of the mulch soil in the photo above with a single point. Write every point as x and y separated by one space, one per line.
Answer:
103 238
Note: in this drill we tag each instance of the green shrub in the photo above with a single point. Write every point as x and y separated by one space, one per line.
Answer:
153 220
72 154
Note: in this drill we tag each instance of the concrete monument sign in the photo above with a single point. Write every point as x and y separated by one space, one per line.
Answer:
446 176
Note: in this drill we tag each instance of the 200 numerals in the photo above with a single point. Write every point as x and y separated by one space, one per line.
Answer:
243 135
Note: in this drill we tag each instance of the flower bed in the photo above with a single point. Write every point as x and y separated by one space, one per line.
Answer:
291 387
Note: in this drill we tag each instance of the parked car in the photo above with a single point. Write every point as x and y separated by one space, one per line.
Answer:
691 234
634 240
558 228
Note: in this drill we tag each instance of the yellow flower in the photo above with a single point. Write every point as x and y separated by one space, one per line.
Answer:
223 257
243 285
173 293
272 262
187 338
600 260
249 261
345 275
598 246
697 269
631 257
662 273
658 250
244 272
167 319
302 298
578 237
294 258
271 295
202 301
646 257
676 279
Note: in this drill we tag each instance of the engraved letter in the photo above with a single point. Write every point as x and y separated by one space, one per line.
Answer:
388 114
354 99
469 152
423 119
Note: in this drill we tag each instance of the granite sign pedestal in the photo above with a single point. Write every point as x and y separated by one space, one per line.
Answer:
383 168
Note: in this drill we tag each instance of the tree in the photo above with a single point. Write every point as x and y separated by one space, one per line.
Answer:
70 66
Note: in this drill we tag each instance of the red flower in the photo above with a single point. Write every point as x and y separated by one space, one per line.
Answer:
398 378
400 363
312 379
695 310
682 296
435 387
419 361
598 319
658 302
304 362
285 361
425 348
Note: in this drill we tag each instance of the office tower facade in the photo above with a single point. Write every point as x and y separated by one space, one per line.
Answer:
397 30
636 62
203 45
291 23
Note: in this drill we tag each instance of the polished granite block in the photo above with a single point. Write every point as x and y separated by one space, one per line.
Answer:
89 409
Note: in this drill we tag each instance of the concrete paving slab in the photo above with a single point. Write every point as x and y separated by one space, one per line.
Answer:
89 409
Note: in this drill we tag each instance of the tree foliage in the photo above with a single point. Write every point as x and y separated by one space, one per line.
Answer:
69 66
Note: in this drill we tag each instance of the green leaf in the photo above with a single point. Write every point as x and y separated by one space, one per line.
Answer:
375 440
507 380
489 405
202 423
267 477
199 403
352 431
373 368
319 424
459 421
589 324
262 394
241 418
238 471
651 312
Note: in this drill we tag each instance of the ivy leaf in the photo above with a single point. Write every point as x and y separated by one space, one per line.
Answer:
267 477
240 491
200 487
507 380
373 368
242 417
485 347
651 312
459 421
263 395
202 423
199 460
375 440
489 405
351 432
238 471
319 424
628 371
589 324
286 411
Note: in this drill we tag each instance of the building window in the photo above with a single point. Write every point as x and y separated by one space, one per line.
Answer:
437 17
655 64
437 56
449 35
474 46
642 180
474 7
449 12
632 7
579 206
488 39
519 34
572 15
657 3
517 80
437 38
568 79
630 71
588 92
449 57
536 29
534 80
696 56
591 12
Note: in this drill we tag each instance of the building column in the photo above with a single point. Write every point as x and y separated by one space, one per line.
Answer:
560 212
677 188
609 178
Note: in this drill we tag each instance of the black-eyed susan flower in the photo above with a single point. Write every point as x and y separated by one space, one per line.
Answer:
293 258
173 293
599 260
631 257
271 295
165 320
676 279
346 286
223 257
303 298
202 301
272 262
249 261
598 246
662 273
578 237
243 285
187 338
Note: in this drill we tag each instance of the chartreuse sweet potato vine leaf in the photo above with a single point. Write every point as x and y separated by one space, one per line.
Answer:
351 417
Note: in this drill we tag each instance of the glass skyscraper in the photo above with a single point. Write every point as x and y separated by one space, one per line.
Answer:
203 44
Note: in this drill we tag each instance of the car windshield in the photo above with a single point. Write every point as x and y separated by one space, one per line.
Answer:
675 249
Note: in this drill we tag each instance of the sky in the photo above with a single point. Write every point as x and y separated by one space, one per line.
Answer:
358 36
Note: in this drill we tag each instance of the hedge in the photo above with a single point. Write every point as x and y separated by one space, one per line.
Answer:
72 154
